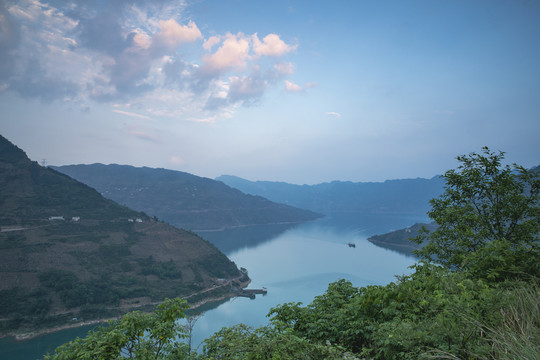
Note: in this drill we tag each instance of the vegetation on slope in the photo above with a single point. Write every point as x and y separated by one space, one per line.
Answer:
184 200
478 300
66 252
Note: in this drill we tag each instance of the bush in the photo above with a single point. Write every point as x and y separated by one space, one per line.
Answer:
163 269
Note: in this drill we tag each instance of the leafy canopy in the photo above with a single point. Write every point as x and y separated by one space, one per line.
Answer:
136 336
488 218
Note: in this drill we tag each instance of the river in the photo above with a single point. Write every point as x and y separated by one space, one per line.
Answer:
294 264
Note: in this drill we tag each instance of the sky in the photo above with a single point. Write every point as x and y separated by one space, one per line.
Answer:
297 91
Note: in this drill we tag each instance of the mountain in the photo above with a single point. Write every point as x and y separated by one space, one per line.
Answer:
184 200
68 254
391 196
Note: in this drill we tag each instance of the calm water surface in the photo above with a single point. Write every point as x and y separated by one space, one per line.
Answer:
295 266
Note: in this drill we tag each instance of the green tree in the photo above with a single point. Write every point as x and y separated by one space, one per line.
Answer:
488 217
433 308
136 336
266 343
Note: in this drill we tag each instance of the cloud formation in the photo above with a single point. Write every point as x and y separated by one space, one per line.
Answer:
174 34
333 114
292 87
232 54
142 134
134 52
127 113
271 45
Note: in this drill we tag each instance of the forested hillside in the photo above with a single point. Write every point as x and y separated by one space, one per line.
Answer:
184 200
68 253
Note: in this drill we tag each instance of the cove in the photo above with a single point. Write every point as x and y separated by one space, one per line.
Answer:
294 263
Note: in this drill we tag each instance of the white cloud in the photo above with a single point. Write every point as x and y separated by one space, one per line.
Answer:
210 42
292 87
143 134
284 68
333 114
142 40
127 113
174 34
176 160
271 45
232 54
127 53
246 87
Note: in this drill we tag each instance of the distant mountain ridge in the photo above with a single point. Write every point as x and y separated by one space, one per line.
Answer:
69 254
391 196
182 199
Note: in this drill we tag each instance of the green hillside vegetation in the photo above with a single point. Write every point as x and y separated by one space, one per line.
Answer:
475 295
68 253
184 200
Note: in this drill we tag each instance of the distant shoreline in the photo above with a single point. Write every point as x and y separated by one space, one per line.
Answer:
34 334
232 227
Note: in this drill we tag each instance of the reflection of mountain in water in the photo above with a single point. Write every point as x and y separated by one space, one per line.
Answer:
361 224
230 240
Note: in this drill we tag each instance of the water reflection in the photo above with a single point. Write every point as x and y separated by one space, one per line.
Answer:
298 265
233 239
333 227
295 263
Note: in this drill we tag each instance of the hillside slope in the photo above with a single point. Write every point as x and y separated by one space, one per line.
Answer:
184 200
66 252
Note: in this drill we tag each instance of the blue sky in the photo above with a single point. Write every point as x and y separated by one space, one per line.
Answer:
296 91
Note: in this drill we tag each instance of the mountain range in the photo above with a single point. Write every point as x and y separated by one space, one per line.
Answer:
391 196
68 254
184 200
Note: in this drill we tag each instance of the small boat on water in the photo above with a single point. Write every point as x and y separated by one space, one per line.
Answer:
352 245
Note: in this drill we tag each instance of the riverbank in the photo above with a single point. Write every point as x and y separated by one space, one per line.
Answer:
76 324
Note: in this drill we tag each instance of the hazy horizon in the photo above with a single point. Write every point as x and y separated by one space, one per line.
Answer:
299 92
244 178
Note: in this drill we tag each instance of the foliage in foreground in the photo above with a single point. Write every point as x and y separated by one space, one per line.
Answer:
136 336
518 336
432 311
488 219
267 342
470 305
475 295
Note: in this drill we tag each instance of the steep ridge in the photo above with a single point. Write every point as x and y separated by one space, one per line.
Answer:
67 254
184 200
